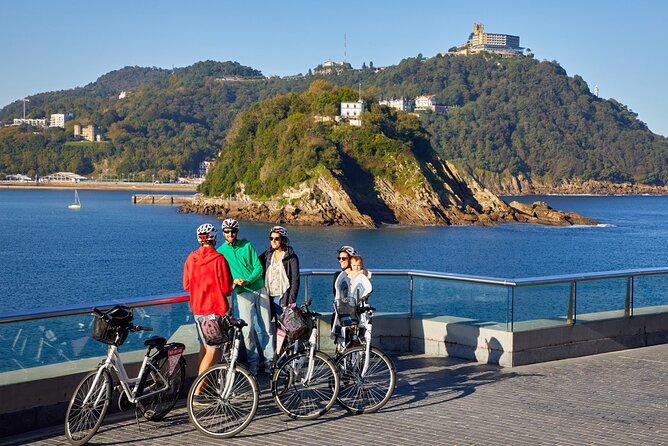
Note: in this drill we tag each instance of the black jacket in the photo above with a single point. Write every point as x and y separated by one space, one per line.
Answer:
291 265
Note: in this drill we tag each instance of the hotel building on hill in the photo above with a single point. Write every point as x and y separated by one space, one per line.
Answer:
505 45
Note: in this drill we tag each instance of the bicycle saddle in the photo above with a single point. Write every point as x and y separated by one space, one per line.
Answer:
155 341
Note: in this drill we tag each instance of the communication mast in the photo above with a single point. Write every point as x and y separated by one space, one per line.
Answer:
345 48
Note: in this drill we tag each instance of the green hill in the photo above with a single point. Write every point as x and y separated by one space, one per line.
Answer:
514 118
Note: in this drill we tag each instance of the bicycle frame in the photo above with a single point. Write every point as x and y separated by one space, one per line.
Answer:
366 322
293 347
231 371
114 362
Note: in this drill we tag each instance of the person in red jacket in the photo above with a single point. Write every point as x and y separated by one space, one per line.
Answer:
207 276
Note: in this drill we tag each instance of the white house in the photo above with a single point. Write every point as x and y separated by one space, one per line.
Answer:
403 104
427 102
352 109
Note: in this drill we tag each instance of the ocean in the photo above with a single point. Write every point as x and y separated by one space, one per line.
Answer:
110 249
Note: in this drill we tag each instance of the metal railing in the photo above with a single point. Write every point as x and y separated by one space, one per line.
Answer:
29 339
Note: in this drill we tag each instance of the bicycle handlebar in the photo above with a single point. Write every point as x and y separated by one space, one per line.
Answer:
140 328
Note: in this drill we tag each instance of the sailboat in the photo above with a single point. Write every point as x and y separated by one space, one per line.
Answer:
77 202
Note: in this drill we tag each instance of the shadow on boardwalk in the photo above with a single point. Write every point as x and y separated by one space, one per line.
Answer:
441 379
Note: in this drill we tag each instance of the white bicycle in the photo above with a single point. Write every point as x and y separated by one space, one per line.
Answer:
367 374
153 391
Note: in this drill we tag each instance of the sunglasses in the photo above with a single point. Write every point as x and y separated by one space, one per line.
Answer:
228 231
274 239
343 258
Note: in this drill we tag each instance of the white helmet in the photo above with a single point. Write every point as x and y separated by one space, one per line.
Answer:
206 233
230 223
279 230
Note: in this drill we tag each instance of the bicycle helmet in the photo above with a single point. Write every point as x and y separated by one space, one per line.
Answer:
230 223
347 249
206 233
279 230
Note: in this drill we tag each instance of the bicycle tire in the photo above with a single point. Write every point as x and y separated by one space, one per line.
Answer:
220 418
368 394
305 401
156 407
82 422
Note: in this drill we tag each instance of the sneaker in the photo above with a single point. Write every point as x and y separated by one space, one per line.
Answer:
201 400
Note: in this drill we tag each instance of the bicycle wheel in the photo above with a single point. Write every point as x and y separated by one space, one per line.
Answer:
84 419
366 394
220 417
300 399
155 407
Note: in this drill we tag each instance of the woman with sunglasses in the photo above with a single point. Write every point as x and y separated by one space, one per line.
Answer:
344 254
281 270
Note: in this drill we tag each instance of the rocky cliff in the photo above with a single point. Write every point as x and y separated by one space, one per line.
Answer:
330 200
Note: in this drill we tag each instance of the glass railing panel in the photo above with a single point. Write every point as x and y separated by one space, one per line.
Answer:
601 299
66 340
461 302
650 294
390 294
540 306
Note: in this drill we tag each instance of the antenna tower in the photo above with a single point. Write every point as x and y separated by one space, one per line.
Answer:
345 47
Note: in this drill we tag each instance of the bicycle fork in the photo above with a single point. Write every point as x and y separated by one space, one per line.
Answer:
311 355
231 371
367 350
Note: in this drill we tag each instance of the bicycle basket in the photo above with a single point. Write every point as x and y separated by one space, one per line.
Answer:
113 322
294 324
216 330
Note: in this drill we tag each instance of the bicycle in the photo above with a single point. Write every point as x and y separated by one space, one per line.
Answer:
367 374
304 383
153 391
229 391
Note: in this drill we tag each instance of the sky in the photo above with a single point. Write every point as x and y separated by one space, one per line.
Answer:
616 45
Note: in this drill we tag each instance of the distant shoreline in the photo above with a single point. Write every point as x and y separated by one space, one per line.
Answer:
119 185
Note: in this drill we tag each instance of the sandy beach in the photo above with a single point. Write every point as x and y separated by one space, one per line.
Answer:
101 185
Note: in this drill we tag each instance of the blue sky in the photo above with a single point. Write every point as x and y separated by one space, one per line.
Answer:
45 46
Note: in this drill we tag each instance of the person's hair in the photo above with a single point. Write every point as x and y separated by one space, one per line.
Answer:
359 259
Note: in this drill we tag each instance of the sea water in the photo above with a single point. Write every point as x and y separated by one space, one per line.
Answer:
52 256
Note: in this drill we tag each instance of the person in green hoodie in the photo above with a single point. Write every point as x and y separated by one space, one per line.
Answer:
251 297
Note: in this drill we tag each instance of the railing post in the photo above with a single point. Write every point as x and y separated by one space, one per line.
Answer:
570 318
410 297
511 307
628 302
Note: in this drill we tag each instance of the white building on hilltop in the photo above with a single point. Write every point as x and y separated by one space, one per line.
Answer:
59 119
40 122
402 104
352 112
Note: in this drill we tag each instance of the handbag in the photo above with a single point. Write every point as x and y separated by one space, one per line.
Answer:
293 322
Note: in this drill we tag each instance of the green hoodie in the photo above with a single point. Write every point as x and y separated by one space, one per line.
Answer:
244 263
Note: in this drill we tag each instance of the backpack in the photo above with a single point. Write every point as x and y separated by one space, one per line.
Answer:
213 330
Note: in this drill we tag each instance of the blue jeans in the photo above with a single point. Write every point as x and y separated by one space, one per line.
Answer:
253 307
276 304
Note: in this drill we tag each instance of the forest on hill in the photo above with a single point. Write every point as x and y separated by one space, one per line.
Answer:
509 117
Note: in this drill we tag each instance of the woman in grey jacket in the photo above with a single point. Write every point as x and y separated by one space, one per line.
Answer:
281 270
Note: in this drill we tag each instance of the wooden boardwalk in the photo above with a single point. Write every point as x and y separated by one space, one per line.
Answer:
618 398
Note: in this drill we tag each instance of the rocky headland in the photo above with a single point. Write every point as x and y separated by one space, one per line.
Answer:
328 200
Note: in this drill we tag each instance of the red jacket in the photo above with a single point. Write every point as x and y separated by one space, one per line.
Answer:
207 276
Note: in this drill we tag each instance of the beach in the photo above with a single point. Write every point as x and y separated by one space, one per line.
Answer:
100 185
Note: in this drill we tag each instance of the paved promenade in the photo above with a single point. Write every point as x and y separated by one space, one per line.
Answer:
611 399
